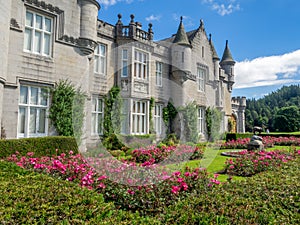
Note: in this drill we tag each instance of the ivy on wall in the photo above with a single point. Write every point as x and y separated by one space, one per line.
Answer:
189 113
169 114
67 109
213 118
152 104
112 112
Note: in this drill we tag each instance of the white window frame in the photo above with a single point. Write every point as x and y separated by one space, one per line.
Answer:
28 105
125 116
100 59
124 72
30 43
141 65
201 119
98 113
201 74
158 74
158 118
139 117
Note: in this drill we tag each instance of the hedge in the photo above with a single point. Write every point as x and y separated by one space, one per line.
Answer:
41 146
235 136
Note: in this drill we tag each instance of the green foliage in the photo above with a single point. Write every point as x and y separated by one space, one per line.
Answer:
189 113
112 112
42 146
169 114
235 136
112 142
67 109
267 113
213 118
287 119
31 198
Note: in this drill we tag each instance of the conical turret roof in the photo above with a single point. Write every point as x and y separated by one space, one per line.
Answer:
181 36
227 57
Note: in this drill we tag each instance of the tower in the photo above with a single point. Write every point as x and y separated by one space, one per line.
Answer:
227 64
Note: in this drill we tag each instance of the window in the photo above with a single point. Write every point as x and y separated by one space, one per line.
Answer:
140 65
38 34
202 51
139 117
201 78
100 59
97 115
201 113
124 117
124 63
158 74
33 109
158 118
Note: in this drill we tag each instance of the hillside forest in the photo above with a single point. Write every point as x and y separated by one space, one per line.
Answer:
278 111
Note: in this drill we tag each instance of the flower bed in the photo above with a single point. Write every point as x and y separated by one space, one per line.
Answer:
252 162
268 141
112 179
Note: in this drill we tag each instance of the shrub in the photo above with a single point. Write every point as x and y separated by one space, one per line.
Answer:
42 146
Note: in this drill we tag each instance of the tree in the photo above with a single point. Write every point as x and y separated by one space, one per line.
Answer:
287 119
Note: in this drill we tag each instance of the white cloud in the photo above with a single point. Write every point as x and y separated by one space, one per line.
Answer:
107 3
224 7
153 18
266 71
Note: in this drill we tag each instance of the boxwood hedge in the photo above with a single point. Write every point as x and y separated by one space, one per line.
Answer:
41 146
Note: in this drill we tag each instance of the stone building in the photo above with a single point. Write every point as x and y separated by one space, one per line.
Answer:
45 41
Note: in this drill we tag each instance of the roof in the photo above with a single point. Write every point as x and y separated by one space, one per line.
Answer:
214 52
181 37
227 57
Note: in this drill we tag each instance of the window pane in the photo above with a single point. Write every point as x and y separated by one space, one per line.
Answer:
27 39
46 44
37 42
38 22
124 71
42 121
102 65
47 24
44 97
94 104
23 94
99 123
94 123
96 64
34 96
21 122
32 122
99 105
102 50
29 19
125 52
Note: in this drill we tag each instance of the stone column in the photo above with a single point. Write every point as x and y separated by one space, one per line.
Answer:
5 16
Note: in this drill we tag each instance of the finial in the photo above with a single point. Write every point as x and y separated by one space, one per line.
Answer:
181 19
226 43
119 16
209 37
132 18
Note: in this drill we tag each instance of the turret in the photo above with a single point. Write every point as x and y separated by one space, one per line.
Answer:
181 50
88 24
227 62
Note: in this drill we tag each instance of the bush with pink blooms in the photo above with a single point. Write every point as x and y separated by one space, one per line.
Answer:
167 188
268 142
252 162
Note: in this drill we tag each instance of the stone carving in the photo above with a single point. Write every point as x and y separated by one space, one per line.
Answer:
140 87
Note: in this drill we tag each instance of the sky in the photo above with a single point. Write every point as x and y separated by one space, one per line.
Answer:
263 35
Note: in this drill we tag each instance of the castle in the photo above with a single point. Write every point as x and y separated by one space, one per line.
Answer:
45 41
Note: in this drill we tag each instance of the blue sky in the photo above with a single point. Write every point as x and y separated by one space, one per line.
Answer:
264 35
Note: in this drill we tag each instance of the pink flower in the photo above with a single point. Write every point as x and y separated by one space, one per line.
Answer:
175 189
30 154
176 174
184 186
131 192
101 185
180 180
102 177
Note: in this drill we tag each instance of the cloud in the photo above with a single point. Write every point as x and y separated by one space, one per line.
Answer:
187 21
107 3
153 18
267 71
224 7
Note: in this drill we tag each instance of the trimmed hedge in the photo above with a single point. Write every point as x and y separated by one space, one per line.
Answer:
31 198
41 146
235 136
